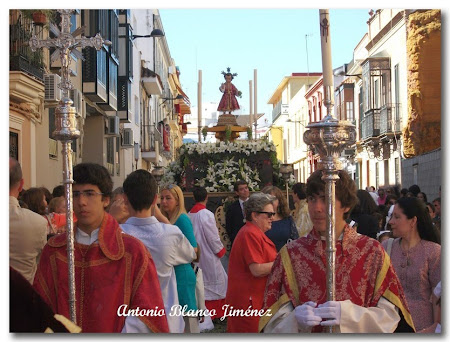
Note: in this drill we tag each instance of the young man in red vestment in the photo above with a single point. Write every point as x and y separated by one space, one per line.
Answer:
369 297
117 288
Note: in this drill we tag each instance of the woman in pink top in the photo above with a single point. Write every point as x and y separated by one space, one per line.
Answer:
416 258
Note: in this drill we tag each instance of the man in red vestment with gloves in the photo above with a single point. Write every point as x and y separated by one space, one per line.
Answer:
117 287
368 294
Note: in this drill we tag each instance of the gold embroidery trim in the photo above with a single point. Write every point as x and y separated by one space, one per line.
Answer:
382 274
286 260
388 294
273 310
398 303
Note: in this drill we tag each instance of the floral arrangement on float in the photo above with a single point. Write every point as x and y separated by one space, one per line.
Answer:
217 166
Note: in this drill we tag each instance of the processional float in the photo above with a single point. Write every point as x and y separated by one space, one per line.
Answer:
65 44
329 137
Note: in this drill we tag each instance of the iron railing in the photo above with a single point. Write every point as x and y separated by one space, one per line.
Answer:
21 58
150 138
370 124
390 118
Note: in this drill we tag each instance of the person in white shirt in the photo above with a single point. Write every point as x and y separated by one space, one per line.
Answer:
206 233
372 192
166 243
27 230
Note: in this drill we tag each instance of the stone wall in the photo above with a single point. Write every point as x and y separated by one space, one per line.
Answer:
422 131
428 169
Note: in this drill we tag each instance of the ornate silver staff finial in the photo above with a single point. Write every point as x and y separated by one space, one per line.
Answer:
329 138
66 43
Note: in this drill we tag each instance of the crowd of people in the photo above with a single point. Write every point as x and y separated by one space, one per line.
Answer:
143 263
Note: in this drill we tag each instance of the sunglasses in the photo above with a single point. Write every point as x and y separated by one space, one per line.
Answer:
269 214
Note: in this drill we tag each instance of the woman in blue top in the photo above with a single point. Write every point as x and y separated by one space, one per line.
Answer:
283 225
172 206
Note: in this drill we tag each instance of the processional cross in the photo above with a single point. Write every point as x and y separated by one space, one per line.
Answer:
65 44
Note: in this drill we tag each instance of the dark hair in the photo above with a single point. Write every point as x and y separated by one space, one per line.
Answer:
345 188
414 207
414 189
283 209
34 199
58 191
403 192
424 196
15 172
299 189
384 233
95 174
140 187
431 205
396 190
365 204
47 193
389 198
228 74
199 193
437 199
239 182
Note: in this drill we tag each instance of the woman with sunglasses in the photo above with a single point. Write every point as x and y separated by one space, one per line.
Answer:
251 259
172 207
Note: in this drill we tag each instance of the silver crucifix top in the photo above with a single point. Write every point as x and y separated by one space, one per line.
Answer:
65 44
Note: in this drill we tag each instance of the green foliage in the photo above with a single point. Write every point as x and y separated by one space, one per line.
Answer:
249 133
228 133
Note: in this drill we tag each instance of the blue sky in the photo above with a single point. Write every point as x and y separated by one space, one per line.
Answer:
269 40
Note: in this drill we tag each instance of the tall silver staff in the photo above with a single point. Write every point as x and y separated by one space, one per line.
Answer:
65 119
329 137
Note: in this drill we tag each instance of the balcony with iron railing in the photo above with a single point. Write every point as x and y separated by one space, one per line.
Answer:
370 124
150 138
390 118
21 58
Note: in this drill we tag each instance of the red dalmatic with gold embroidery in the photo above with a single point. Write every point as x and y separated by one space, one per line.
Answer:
116 270
363 274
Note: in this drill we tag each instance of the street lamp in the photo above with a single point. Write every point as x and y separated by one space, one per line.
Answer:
286 171
343 72
154 34
292 121
178 97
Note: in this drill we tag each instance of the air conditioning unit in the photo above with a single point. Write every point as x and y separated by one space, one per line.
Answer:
52 91
113 125
348 152
76 97
128 138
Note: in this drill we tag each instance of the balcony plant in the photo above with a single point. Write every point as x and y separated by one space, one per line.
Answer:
40 17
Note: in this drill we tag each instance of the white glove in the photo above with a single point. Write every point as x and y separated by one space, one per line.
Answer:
305 315
330 310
